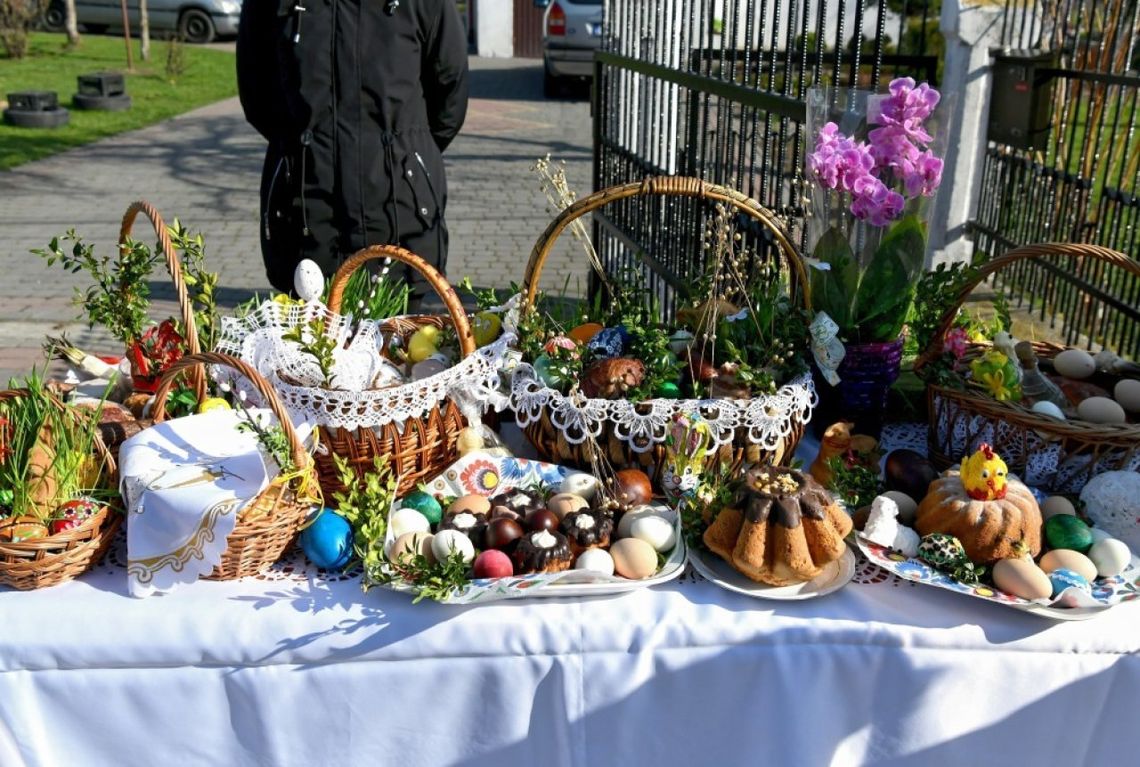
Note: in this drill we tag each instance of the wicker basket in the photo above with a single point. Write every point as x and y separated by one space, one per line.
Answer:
48 561
959 419
268 526
552 443
419 448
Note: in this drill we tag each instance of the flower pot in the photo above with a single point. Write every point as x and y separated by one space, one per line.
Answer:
865 377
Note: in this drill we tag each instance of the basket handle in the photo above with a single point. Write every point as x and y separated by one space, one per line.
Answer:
437 281
296 447
666 186
174 267
1024 253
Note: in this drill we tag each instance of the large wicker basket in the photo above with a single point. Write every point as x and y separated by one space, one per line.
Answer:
418 448
962 418
269 525
61 557
789 410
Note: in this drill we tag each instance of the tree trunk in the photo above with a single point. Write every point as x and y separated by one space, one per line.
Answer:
144 31
71 24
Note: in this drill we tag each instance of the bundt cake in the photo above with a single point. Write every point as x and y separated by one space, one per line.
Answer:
783 529
988 511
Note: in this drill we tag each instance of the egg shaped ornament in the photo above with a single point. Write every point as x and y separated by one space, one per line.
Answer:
308 280
327 542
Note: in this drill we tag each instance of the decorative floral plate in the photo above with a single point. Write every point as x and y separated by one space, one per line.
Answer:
835 576
1071 604
488 474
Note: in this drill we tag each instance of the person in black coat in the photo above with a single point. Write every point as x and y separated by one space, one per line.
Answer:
357 99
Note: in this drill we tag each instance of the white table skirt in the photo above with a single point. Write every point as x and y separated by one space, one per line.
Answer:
291 669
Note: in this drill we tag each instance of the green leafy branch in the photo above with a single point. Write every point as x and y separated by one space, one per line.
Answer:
313 341
365 503
200 283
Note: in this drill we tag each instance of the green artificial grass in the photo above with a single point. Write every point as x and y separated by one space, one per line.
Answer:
208 76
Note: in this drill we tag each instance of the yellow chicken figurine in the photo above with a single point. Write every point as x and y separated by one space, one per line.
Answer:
983 475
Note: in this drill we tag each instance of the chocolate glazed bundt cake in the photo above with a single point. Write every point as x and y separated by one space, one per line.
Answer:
783 529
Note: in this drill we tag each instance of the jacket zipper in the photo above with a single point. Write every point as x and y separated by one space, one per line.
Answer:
269 194
431 186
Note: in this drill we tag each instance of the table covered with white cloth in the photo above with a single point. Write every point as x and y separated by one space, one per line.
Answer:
294 669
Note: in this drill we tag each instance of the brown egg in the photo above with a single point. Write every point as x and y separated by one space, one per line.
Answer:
542 519
410 544
565 503
633 558
1069 560
473 503
632 488
503 533
1022 578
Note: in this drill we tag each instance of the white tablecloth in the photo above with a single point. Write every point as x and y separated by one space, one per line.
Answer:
291 669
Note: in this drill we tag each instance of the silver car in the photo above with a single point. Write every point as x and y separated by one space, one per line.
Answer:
195 21
571 32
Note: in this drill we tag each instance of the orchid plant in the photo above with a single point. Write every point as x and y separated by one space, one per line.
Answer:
873 186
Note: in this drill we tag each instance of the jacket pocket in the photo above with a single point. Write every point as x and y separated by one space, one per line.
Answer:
424 199
279 206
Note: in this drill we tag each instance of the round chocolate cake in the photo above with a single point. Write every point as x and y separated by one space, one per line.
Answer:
587 529
542 552
469 523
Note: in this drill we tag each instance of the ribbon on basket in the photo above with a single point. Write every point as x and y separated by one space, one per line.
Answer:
185 484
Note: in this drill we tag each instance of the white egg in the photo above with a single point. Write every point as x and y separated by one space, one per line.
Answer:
408 521
585 485
1045 407
1074 363
447 541
596 561
637 512
1057 504
1127 393
1099 534
308 280
654 530
1101 410
1110 557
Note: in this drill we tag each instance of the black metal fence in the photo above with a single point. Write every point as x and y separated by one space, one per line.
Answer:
1081 182
716 89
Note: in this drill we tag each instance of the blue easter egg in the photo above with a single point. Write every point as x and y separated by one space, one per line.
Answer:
1063 579
608 343
328 541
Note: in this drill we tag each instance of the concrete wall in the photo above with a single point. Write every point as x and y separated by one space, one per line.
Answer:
494 28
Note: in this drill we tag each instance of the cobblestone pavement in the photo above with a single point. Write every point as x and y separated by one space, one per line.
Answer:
204 167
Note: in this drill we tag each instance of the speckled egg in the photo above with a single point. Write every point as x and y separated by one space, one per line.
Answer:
654 530
1127 393
1066 532
472 503
580 483
1074 363
1065 559
411 544
1101 410
596 561
633 558
1110 557
447 541
1064 579
408 521
565 503
308 280
1057 504
1022 578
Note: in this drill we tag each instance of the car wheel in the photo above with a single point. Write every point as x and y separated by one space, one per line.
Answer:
551 84
102 103
196 26
55 17
26 118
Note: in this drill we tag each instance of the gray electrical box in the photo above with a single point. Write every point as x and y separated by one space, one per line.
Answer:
1021 97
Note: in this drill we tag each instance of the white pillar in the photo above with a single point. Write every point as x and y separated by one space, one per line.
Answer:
971 28
495 28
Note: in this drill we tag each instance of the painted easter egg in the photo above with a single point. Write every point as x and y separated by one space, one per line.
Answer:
1063 579
1067 532
425 503
327 542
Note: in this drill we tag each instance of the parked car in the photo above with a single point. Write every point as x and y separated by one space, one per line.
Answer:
195 21
571 32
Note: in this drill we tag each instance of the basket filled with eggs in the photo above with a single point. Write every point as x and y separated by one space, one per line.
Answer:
1061 415
980 531
604 381
496 527
402 387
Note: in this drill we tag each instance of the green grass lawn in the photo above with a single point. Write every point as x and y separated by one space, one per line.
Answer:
208 77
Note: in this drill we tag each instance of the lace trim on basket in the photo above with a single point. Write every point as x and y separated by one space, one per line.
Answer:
767 419
366 396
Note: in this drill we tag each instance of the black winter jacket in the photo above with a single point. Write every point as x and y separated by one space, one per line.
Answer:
358 99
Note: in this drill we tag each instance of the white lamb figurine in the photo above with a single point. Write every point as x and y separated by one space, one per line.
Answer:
884 529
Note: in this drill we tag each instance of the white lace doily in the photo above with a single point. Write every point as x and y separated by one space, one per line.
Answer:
768 419
365 395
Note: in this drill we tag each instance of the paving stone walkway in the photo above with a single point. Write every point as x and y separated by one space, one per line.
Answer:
204 168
